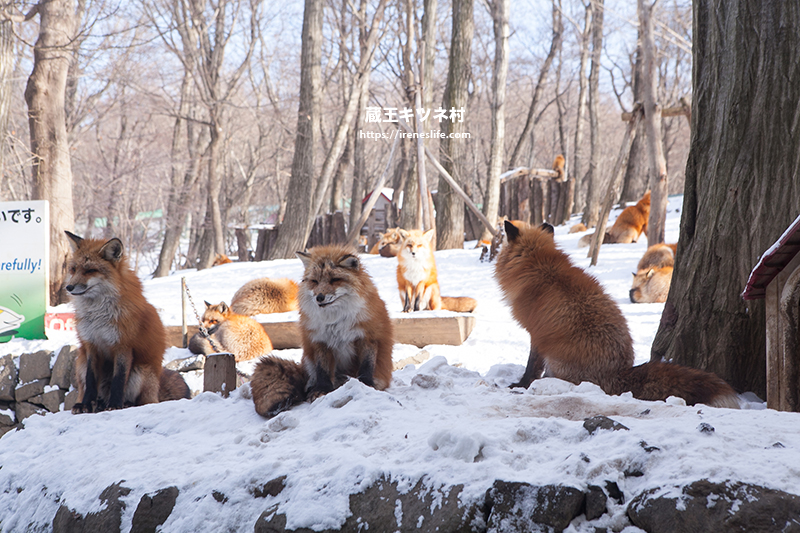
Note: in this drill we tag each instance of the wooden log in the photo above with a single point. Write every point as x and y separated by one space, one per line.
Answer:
685 109
418 331
219 373
534 172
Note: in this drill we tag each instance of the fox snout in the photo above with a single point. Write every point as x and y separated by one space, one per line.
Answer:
76 289
325 299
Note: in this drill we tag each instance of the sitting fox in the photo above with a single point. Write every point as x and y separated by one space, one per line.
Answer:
653 275
578 333
238 334
630 224
346 332
122 339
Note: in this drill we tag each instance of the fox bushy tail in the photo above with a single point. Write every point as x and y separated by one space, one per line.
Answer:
658 381
277 385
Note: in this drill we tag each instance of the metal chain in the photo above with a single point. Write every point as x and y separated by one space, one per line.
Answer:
203 330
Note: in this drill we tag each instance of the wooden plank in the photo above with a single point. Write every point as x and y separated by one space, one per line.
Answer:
418 331
219 373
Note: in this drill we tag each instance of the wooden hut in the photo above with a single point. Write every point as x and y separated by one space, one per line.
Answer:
380 218
776 278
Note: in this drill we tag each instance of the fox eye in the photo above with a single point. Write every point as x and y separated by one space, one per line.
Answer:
313 281
72 270
336 280
92 271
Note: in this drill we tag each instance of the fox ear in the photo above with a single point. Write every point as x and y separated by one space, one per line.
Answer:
548 228
304 257
511 231
207 304
428 235
349 261
112 250
75 241
650 273
403 234
223 307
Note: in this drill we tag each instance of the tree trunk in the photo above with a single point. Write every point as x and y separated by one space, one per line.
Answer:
300 200
6 87
742 184
577 165
652 119
214 225
637 171
594 180
45 94
450 206
500 13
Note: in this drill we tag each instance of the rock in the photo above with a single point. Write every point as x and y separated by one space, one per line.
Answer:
154 510
520 507
34 366
29 390
602 422
195 362
718 507
6 418
50 400
107 520
24 409
382 507
8 378
596 502
613 490
70 399
61 374
272 487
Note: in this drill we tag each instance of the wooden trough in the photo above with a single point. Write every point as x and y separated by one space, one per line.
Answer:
418 331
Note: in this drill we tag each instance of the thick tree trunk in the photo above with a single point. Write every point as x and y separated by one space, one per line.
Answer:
652 119
45 94
742 184
594 180
500 12
450 206
300 200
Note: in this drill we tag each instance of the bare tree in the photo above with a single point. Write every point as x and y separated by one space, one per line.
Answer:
593 178
742 185
652 119
500 12
45 96
450 206
579 157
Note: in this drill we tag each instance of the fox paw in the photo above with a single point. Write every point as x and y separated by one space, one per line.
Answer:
314 395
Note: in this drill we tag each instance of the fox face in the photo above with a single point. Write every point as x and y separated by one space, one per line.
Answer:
215 315
92 267
417 245
327 280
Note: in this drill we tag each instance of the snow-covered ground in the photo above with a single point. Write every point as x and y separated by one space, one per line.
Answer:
455 424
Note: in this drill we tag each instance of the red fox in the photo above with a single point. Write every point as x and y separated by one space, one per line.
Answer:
658 256
265 295
221 259
558 166
651 285
630 224
122 339
389 243
577 331
417 279
238 334
346 332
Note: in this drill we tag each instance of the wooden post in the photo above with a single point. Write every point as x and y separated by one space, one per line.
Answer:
616 181
219 373
184 329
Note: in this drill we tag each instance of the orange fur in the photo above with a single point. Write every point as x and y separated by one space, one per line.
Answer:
459 304
558 166
238 334
345 329
221 259
265 295
389 243
658 256
577 228
577 331
630 224
122 339
417 278
651 285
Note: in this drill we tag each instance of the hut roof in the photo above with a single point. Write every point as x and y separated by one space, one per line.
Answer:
772 262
